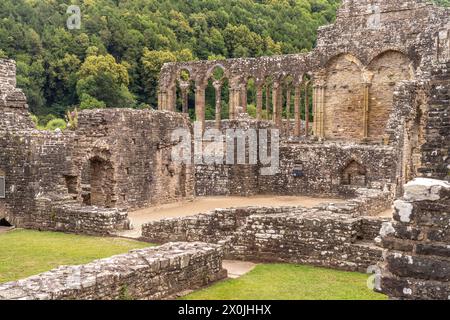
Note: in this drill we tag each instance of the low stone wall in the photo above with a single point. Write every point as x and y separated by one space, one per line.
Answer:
329 235
316 238
76 218
147 274
417 258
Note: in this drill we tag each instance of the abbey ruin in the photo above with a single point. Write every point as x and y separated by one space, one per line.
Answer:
364 117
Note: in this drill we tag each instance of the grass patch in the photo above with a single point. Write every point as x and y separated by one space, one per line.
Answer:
290 282
24 253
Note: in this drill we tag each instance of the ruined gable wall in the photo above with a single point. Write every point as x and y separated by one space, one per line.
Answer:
138 146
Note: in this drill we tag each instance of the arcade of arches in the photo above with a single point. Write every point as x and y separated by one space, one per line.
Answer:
344 100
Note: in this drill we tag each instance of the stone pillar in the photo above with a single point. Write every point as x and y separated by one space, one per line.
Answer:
234 103
162 105
172 99
417 244
160 100
200 105
297 112
268 101
259 102
218 87
307 108
319 104
244 97
314 109
366 87
276 105
184 86
288 110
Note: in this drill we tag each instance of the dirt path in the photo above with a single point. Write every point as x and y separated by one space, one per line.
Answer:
206 204
237 269
5 229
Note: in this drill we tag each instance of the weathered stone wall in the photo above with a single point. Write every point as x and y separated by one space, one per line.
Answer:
333 235
144 274
434 131
114 159
135 148
416 261
321 166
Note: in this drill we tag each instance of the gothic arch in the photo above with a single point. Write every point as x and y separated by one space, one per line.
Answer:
354 174
343 115
385 71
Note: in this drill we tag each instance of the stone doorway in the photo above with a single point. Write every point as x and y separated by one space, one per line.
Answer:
5 223
100 178
354 174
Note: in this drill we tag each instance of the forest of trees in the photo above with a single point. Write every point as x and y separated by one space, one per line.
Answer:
114 59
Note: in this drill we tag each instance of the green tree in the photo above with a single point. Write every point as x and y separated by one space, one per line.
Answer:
102 78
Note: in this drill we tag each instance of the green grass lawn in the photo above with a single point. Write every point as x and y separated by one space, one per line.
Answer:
24 253
290 282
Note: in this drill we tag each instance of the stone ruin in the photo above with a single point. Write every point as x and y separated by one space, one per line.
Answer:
364 116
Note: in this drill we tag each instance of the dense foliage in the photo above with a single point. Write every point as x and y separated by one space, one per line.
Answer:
115 58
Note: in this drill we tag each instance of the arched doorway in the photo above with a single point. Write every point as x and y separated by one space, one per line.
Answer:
5 223
342 117
387 69
354 174
99 183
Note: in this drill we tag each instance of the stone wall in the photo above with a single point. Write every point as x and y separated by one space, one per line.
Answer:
416 261
333 235
115 158
435 150
320 167
135 146
144 274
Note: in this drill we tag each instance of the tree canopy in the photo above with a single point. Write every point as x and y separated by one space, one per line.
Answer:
114 59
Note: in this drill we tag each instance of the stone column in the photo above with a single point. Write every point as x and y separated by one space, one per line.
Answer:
366 87
259 102
160 100
184 86
218 86
322 111
200 105
288 110
268 101
307 109
230 102
172 99
276 105
162 105
244 97
297 112
319 100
